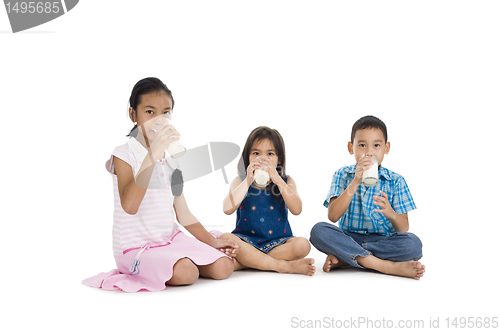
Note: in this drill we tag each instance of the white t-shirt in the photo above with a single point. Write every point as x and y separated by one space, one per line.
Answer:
154 223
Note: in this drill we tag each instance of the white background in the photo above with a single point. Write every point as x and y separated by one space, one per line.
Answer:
428 69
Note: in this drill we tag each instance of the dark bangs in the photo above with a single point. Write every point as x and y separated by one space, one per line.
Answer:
257 135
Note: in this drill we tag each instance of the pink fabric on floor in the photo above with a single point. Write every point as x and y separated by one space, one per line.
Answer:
156 265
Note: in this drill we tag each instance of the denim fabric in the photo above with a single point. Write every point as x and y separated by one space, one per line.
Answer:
262 221
346 246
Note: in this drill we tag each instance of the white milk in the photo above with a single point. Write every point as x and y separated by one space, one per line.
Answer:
176 148
370 176
261 177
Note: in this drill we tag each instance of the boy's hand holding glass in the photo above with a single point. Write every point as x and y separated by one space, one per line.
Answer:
370 176
364 163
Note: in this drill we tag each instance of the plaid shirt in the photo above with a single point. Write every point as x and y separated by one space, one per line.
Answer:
360 217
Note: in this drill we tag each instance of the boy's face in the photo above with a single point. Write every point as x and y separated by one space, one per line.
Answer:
369 141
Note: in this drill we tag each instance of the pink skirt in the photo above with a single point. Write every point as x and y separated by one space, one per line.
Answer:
155 265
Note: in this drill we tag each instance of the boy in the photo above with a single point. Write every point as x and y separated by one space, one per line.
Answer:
373 224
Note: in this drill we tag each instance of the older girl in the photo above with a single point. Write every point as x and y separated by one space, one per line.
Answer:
150 250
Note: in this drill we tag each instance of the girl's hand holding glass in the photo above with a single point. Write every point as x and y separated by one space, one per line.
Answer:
252 166
267 166
162 134
260 173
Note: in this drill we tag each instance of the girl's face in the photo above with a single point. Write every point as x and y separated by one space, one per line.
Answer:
152 105
264 148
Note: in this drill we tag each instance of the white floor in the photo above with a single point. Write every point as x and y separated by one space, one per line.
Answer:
251 300
42 288
428 69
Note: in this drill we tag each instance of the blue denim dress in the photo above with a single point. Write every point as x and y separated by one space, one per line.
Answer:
262 221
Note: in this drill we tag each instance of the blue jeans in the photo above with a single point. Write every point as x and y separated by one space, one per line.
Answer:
346 246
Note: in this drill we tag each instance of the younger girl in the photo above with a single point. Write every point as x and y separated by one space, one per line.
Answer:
150 251
262 230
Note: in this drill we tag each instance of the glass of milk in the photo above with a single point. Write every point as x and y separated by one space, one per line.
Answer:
370 176
261 178
176 149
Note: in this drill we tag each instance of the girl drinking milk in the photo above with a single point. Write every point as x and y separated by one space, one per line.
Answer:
150 251
262 230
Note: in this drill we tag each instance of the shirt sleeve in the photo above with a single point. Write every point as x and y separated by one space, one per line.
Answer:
121 152
337 186
402 201
173 163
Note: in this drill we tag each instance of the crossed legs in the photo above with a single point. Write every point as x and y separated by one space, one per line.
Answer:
397 254
286 258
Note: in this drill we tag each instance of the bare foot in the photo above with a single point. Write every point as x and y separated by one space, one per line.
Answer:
300 266
332 263
238 266
411 269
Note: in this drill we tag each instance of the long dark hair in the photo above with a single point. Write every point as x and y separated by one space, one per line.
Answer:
145 86
257 135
